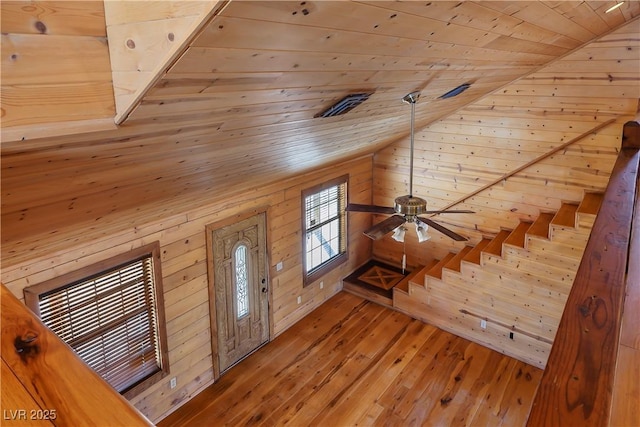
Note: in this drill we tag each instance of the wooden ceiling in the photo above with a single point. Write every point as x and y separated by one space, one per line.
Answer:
236 108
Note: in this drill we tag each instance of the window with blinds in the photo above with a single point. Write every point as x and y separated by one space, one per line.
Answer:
325 238
111 315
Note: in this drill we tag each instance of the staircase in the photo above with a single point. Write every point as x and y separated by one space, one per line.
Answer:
506 292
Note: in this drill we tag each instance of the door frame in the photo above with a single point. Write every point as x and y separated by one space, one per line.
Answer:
213 315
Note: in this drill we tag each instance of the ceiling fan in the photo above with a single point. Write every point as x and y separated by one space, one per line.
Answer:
407 209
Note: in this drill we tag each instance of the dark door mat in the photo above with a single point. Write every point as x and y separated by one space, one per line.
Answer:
377 277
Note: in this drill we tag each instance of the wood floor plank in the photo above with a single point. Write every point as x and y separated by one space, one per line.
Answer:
353 362
375 383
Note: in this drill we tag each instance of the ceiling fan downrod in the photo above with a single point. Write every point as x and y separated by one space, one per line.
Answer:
411 98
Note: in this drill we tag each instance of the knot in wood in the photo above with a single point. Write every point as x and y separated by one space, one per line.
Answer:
27 345
445 400
40 27
131 44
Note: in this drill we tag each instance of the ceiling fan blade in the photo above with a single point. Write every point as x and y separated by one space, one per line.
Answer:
384 227
354 207
449 211
443 230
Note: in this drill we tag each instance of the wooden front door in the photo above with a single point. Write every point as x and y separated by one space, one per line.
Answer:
240 289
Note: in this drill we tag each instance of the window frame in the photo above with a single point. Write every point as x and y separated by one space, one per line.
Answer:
341 257
32 300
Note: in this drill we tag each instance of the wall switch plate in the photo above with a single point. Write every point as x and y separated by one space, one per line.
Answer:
173 383
299 300
483 324
321 285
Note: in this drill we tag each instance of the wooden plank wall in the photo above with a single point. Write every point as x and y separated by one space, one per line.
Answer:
75 87
509 128
184 270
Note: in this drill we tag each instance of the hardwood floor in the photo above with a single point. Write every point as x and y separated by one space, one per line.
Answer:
352 362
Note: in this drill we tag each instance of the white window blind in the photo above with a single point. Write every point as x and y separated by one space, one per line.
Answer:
111 321
325 225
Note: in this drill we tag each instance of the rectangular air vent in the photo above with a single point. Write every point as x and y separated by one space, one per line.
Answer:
345 105
456 91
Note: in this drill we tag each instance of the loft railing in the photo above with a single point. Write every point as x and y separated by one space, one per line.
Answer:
578 383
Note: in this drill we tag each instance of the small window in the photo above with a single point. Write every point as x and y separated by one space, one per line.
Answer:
325 239
112 315
242 282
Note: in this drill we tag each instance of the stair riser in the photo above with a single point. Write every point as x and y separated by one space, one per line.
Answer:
544 272
543 257
436 271
571 237
563 253
540 285
585 221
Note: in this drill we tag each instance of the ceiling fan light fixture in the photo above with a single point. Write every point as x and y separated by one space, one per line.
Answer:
421 231
407 208
398 234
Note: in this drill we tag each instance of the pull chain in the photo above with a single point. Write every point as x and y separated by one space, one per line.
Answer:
404 257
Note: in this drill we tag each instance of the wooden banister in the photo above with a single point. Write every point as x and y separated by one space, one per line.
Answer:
45 383
577 386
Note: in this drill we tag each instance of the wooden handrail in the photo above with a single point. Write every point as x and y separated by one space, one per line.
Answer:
577 385
528 164
44 380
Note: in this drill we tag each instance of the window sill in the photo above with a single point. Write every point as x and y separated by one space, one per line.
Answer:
325 269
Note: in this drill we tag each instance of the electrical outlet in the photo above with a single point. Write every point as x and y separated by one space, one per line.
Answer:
483 324
173 383
279 266
511 335
299 299
321 285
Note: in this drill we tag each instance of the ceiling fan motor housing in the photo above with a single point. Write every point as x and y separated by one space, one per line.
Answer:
410 206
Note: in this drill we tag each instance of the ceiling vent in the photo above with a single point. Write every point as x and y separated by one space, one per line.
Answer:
345 105
456 91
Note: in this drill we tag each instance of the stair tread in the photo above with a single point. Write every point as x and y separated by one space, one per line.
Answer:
495 246
591 203
473 255
454 263
436 270
517 236
418 278
566 215
403 285
540 226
